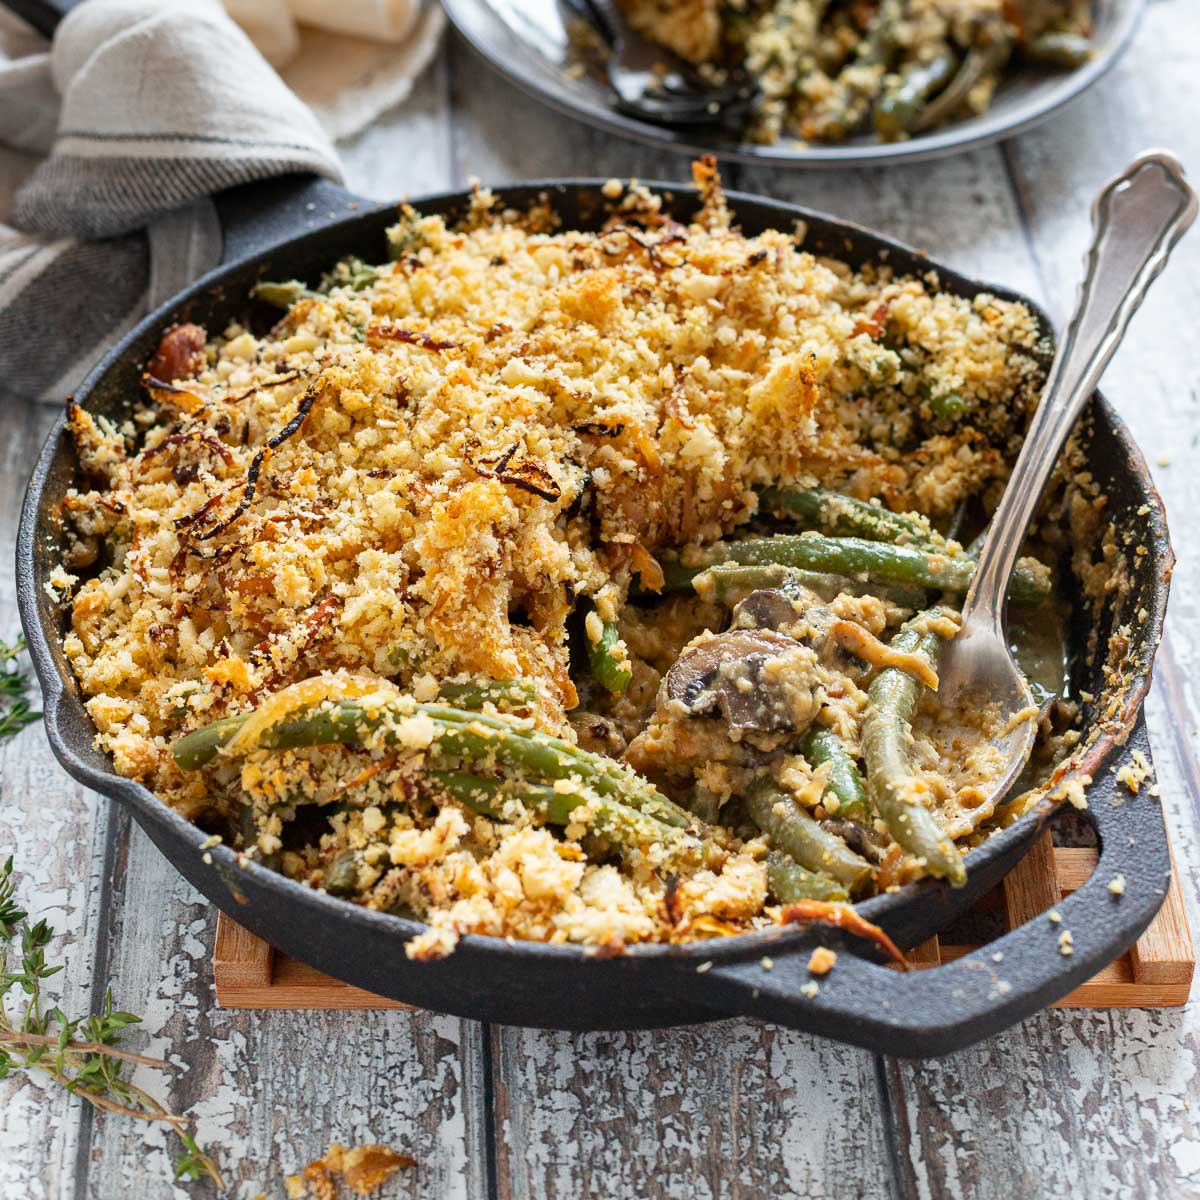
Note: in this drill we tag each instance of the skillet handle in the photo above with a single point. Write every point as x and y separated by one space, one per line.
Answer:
938 1010
256 215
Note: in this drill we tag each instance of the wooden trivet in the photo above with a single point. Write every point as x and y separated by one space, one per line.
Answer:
1156 973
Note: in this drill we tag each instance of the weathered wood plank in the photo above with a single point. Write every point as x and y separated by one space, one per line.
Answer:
1088 1103
736 1109
56 832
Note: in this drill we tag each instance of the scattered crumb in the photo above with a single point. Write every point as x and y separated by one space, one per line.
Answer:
1003 987
768 964
704 966
206 859
1054 917
1072 791
364 1169
810 989
1164 460
998 957
1135 772
821 961
1066 944
1116 885
210 842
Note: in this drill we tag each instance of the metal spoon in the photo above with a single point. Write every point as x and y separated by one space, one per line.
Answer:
652 84
1137 219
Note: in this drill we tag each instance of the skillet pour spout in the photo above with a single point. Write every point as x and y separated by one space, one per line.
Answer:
283 229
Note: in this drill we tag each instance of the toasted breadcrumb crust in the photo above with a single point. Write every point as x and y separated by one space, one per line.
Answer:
416 477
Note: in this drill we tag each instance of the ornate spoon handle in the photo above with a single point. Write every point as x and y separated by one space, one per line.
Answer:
1136 221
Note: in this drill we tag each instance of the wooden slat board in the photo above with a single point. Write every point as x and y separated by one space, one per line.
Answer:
1072 1103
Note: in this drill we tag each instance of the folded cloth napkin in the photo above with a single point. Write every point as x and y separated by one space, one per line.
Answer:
110 145
348 61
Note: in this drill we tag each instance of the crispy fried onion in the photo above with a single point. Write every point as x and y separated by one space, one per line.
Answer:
250 486
185 400
206 440
525 473
307 693
600 429
865 645
841 916
388 331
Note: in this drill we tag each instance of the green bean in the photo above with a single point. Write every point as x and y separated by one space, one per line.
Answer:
704 803
947 406
352 273
979 62
820 746
282 295
608 658
503 693
195 749
605 816
797 834
727 583
886 736
843 516
789 882
341 876
472 736
874 561
859 82
899 108
249 831
1066 50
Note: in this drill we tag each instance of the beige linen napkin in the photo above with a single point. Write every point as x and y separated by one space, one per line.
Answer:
348 60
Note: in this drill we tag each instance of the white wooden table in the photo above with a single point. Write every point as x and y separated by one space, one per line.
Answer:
1072 1103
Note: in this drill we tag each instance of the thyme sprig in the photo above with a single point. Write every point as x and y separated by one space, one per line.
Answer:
80 1054
15 710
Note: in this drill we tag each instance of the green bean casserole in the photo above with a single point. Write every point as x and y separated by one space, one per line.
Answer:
570 586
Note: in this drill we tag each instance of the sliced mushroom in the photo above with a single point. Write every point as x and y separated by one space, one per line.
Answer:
798 612
768 608
758 680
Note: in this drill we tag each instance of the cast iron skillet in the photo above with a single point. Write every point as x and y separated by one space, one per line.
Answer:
297 227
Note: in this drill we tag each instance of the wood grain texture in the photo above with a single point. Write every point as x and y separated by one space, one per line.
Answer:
1032 885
